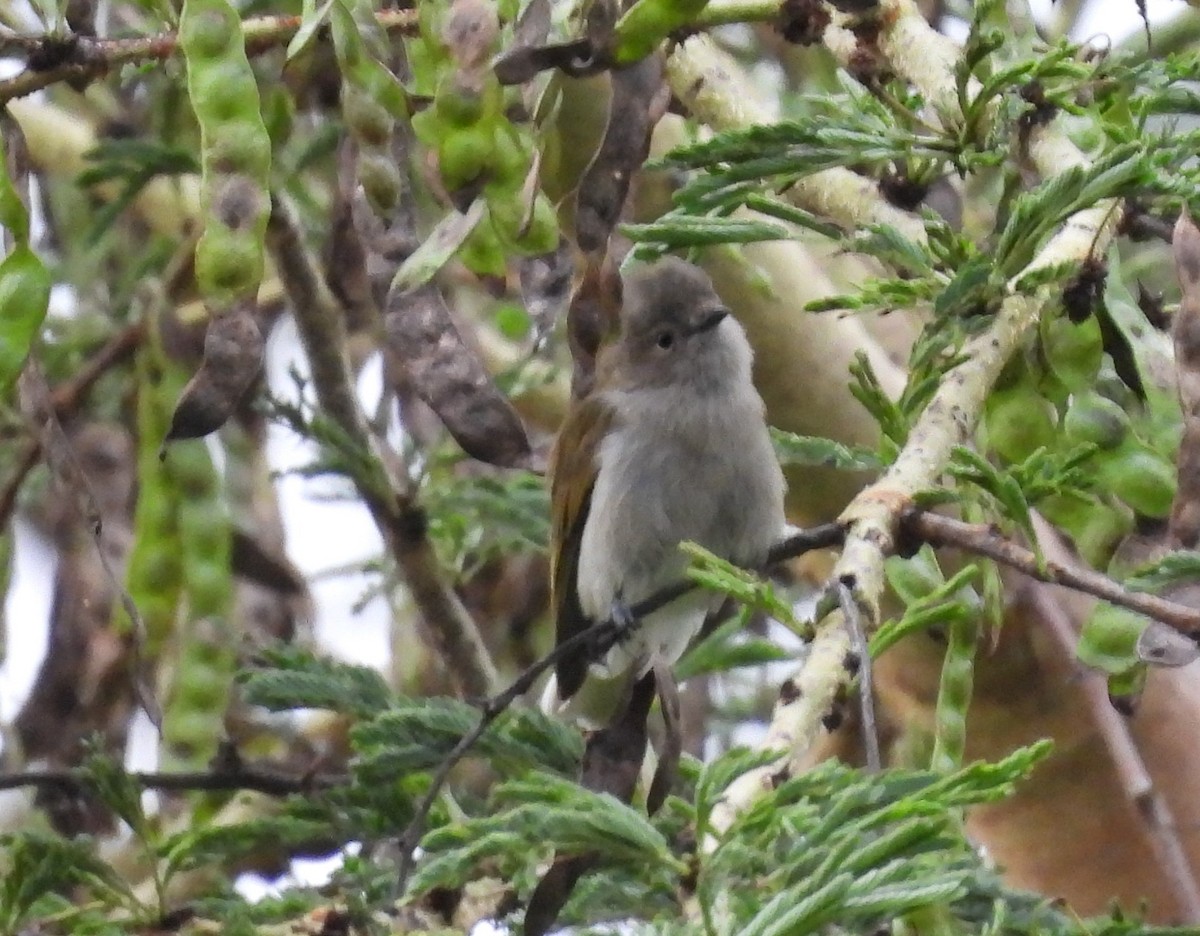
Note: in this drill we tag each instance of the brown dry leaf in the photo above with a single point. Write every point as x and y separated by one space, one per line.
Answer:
639 99
233 358
451 378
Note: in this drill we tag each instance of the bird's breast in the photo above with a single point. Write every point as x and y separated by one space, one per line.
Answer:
698 468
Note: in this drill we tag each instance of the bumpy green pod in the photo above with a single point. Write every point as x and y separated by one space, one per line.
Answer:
206 657
954 696
1142 478
1073 351
154 576
1109 639
235 152
482 252
1018 421
1095 420
372 99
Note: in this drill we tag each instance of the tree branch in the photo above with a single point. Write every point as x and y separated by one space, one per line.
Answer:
65 400
400 520
83 58
596 641
986 541
716 91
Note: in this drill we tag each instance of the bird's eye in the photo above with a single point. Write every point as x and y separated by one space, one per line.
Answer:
665 340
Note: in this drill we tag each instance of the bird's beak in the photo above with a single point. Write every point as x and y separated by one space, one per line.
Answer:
711 321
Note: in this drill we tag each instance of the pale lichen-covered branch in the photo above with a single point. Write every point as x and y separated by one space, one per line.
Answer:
926 59
716 91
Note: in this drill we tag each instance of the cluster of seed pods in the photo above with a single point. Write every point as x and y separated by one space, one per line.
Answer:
372 100
1063 394
480 151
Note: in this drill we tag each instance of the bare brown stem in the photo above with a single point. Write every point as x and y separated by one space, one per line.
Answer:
65 400
400 520
986 541
83 58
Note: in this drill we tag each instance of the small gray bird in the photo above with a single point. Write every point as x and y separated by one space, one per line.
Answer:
670 444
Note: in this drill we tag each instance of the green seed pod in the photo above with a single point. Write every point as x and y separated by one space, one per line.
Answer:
241 148
233 143
380 178
1019 421
541 236
465 99
482 252
1141 478
1094 420
647 23
1074 352
1100 533
954 696
154 574
914 578
207 33
463 155
511 155
1109 639
367 119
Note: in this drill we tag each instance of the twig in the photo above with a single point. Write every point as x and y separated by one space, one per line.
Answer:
65 399
272 783
986 541
400 519
596 640
86 58
866 688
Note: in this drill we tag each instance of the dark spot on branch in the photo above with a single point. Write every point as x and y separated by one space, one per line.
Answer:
902 190
833 720
1084 293
789 692
52 52
851 662
802 22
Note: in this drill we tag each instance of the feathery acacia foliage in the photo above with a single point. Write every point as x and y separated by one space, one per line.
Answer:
419 170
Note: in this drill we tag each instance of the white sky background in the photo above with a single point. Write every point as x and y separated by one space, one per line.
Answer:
326 535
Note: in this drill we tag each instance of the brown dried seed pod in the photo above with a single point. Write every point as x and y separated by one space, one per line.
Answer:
639 99
452 380
233 357
470 31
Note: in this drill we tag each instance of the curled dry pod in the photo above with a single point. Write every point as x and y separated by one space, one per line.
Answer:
451 379
233 356
639 99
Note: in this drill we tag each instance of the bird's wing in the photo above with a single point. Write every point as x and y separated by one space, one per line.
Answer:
573 468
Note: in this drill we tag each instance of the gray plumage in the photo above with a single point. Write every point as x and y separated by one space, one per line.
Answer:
686 457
